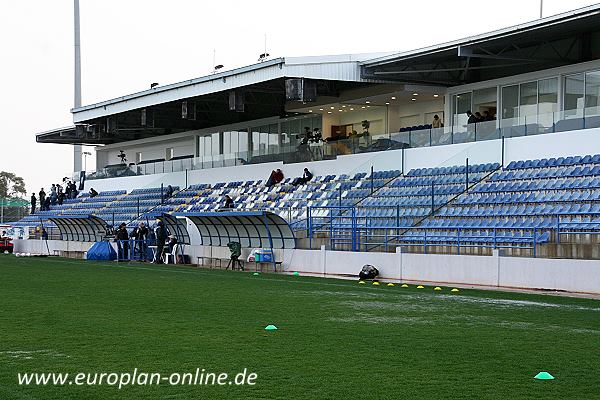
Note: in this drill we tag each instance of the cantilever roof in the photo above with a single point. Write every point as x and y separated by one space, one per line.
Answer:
528 27
338 68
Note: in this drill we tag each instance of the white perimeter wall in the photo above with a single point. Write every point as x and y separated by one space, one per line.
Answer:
514 272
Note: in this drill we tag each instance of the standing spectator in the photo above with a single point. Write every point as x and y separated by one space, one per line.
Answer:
61 197
53 195
169 191
74 191
93 193
122 238
46 204
437 122
142 237
44 234
33 203
161 237
42 199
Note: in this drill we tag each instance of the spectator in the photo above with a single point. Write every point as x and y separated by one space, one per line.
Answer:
306 176
122 238
478 117
172 242
437 122
61 197
53 195
471 118
46 204
142 236
33 203
93 193
44 234
276 177
74 191
42 199
161 236
487 116
228 203
169 191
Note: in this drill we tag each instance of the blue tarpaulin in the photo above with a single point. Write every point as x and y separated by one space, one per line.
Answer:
101 251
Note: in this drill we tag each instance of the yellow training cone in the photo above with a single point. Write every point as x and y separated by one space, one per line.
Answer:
391 284
376 283
455 290
361 282
420 287
404 285
437 288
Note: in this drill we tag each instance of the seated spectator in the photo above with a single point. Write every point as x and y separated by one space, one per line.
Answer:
276 177
171 243
93 193
228 203
169 191
479 117
306 176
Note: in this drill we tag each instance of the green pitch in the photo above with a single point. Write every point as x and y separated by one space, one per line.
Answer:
335 339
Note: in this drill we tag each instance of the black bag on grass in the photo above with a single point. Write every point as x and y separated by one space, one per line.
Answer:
368 272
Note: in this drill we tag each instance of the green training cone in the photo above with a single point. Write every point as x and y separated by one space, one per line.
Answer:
404 285
455 290
270 328
296 273
437 288
391 284
420 287
256 274
361 282
543 376
376 283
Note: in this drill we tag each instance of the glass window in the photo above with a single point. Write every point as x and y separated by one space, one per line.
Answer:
216 143
592 89
462 104
510 102
547 101
573 96
528 102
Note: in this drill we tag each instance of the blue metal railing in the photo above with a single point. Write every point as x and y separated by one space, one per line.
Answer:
345 226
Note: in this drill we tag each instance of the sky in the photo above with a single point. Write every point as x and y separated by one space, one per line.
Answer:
128 44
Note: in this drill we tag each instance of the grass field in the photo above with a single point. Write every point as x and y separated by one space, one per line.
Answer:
336 339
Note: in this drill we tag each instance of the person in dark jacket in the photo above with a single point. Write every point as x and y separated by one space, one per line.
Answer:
228 203
142 236
33 203
46 204
122 238
93 193
161 236
42 199
306 176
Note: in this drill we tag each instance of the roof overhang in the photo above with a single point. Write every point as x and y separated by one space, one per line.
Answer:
562 39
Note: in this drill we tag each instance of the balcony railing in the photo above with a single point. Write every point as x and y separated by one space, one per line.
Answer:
488 130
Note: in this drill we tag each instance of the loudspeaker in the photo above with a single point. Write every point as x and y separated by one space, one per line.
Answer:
300 89
237 101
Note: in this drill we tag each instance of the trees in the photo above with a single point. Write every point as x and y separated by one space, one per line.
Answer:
12 191
11 185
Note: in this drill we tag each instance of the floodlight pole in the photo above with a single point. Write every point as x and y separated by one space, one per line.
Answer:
77 92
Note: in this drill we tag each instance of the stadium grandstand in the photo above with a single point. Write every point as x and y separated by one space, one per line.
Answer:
471 159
